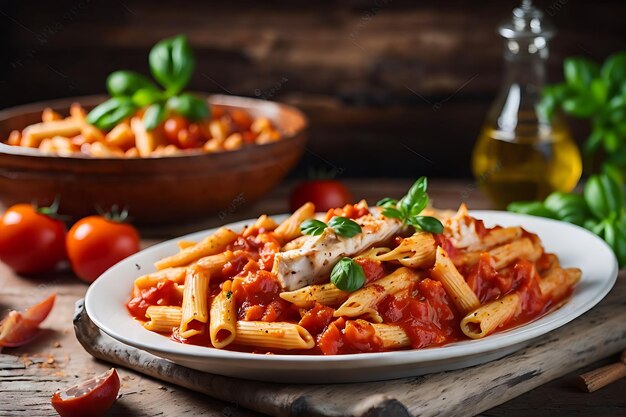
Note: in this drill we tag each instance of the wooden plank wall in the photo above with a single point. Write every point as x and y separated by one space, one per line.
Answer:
392 87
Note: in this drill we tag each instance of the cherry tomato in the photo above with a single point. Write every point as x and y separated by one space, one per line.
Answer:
19 328
173 126
94 244
325 194
31 242
92 397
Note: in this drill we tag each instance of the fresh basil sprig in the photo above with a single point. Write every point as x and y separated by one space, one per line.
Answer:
347 275
171 64
341 225
410 206
597 93
601 209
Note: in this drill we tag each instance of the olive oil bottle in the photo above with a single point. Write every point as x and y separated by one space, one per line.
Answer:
520 154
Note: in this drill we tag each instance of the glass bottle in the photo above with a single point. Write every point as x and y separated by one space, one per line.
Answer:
520 155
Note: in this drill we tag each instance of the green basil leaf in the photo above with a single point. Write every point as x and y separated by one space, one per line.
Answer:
611 141
599 89
347 275
146 96
568 207
393 213
312 227
580 106
594 140
189 106
414 195
615 236
387 202
344 227
126 83
108 114
426 223
613 71
603 195
579 72
154 115
172 63
533 208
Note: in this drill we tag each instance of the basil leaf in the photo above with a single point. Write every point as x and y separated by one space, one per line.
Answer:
387 202
108 114
347 275
414 195
533 208
146 96
614 70
393 213
189 106
154 115
344 227
579 72
568 207
172 63
312 227
126 83
426 223
603 195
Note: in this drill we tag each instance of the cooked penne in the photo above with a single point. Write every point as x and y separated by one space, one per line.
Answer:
364 301
326 294
521 248
214 263
184 244
223 318
558 281
173 274
290 228
417 251
264 222
490 316
34 134
195 301
453 282
273 335
210 245
393 336
145 141
163 319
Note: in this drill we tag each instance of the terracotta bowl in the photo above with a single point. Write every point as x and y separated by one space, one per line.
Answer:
159 190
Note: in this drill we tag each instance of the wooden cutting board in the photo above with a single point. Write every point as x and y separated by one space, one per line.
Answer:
466 392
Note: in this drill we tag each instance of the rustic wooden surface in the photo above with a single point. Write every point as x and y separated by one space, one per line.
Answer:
29 375
398 74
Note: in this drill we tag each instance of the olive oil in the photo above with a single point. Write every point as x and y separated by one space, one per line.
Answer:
526 164
522 153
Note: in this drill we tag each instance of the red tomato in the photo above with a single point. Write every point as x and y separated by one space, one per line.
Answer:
31 242
173 126
325 194
94 244
92 397
19 328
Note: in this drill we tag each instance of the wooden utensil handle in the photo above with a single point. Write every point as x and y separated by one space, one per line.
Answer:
601 377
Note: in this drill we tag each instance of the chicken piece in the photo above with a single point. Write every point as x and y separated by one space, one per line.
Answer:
312 261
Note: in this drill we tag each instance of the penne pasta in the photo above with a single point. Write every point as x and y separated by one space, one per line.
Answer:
497 237
558 281
521 248
290 228
325 294
417 251
195 301
264 222
490 316
393 336
273 335
214 263
150 280
184 244
453 282
364 301
210 245
223 318
163 319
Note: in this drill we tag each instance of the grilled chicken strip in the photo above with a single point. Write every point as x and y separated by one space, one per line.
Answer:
312 262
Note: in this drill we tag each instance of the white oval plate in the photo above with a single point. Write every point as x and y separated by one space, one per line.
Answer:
575 246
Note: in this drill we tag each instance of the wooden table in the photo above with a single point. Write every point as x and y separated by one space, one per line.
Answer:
29 375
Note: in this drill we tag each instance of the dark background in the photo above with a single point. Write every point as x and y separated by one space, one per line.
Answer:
392 88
